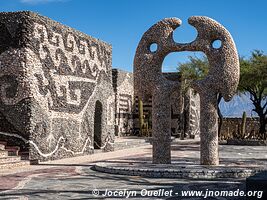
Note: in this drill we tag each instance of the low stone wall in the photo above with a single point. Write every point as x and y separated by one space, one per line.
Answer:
247 142
56 88
175 171
231 128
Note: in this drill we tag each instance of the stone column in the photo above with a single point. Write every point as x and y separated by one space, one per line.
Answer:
161 127
208 128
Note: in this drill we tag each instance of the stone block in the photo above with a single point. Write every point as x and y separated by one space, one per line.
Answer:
258 182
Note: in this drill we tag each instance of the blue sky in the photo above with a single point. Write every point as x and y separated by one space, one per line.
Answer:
122 22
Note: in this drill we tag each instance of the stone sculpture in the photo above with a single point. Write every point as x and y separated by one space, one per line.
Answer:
222 78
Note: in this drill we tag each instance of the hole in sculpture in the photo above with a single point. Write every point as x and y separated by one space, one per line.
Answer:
216 44
98 125
196 62
185 33
153 47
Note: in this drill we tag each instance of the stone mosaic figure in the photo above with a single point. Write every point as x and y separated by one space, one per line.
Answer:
222 78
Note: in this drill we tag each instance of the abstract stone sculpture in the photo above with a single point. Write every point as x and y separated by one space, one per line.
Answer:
222 78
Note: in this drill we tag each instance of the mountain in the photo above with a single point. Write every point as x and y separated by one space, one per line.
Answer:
237 106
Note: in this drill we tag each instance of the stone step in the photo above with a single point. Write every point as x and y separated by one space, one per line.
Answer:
3 153
2 145
3 142
9 159
12 150
9 156
24 155
14 164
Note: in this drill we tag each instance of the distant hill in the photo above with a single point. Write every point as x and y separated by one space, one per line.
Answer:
237 106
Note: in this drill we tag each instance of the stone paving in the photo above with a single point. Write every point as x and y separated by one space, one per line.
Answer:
74 178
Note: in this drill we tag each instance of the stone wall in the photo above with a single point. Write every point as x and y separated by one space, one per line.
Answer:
231 128
194 113
124 101
56 88
186 120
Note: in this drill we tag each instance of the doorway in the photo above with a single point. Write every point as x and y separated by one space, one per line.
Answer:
98 125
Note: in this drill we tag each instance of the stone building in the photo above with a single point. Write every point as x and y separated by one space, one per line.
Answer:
56 95
124 102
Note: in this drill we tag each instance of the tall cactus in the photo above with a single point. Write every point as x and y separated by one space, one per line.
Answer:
243 125
141 115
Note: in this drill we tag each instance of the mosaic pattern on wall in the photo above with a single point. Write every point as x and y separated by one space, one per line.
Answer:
52 79
124 101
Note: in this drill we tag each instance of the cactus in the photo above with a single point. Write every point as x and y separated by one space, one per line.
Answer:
243 125
145 129
141 115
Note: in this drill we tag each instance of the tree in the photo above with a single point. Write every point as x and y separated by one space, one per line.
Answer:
253 80
195 69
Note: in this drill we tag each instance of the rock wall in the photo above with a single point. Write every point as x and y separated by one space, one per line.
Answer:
56 88
124 101
231 128
188 119
194 114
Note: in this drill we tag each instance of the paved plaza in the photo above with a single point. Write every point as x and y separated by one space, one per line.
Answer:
75 178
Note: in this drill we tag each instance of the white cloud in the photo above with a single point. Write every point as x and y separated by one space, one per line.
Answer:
34 2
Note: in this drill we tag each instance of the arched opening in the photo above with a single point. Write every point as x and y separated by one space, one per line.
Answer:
98 125
184 67
189 60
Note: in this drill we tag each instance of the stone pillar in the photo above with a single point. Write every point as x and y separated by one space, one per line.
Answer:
208 129
161 128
